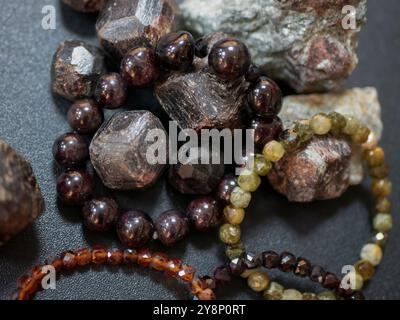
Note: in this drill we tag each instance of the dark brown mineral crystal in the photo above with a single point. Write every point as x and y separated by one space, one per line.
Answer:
20 198
318 171
119 150
76 68
125 24
85 5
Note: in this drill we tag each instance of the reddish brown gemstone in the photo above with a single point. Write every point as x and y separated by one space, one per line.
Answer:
225 187
221 275
99 255
38 274
265 129
144 257
135 228
317 274
159 261
115 257
85 5
69 260
28 285
172 227
70 150
302 268
270 259
83 257
130 256
186 273
207 282
330 281
265 97
205 213
100 214
237 266
111 91
206 295
288 261
85 116
57 264
251 260
173 267
74 187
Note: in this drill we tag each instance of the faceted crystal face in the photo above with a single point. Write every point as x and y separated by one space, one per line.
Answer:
85 5
124 24
118 151
76 69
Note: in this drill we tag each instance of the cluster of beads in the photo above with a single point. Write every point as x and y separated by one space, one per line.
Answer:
30 284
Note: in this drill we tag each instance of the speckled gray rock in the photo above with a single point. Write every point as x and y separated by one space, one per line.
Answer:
124 24
363 103
300 42
85 5
318 171
20 198
76 68
118 151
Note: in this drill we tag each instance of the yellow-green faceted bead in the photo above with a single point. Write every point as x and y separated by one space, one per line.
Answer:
249 181
233 215
383 222
240 198
365 269
235 251
383 205
273 151
381 187
261 166
291 294
352 125
379 238
304 131
361 135
258 281
229 233
372 253
321 124
309 296
326 295
338 122
374 157
274 291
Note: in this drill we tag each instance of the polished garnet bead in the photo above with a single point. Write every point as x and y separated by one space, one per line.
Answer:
74 187
100 214
85 116
288 261
69 260
302 268
135 228
229 58
254 73
70 150
225 187
317 274
144 257
159 261
176 50
172 226
83 257
130 256
115 257
270 259
265 129
139 68
251 260
99 255
205 213
111 91
237 266
265 97
221 275
330 281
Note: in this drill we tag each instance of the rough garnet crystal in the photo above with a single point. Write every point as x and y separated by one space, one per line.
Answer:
85 5
118 151
76 68
124 24
20 198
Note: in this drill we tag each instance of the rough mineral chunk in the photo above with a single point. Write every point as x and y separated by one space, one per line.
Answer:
361 103
86 5
119 151
300 42
20 198
76 69
124 24
318 171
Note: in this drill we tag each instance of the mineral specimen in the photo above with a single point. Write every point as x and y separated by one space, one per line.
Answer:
119 151
200 99
20 198
307 43
76 69
124 24
320 170
361 103
85 5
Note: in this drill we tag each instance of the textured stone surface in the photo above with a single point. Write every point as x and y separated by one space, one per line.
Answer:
200 99
20 198
118 151
318 171
86 5
76 69
124 24
362 103
300 42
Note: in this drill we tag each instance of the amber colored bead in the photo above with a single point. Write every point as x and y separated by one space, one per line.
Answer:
361 135
330 281
139 67
206 295
265 129
302 268
254 73
317 274
69 260
85 116
173 267
233 215
74 187
229 58
270 259
111 91
374 157
290 139
380 172
207 282
37 273
144 257
236 250
265 97
99 255
83 257
24 280
115 257
352 125
365 269
273 292
159 261
229 233
381 187
70 150
225 187
176 50
130 256
288 261
383 205
186 273
258 281
57 264
28 285
338 122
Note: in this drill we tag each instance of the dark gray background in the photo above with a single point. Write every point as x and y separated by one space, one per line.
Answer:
329 233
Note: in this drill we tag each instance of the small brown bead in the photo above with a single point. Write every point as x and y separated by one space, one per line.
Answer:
186 273
37 273
159 261
83 257
99 255
130 256
374 157
381 187
331 281
70 150
144 257
380 172
225 187
139 68
111 91
115 257
28 285
361 135
229 59
57 264
288 261
100 214
85 116
365 269
270 259
173 267
74 187
69 260
383 205
317 274
265 97
302 268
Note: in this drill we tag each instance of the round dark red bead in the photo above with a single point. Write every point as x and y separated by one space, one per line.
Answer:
331 281
288 261
70 150
135 228
111 91
265 129
302 268
172 226
205 213
100 214
317 274
270 259
224 189
85 116
74 187
265 97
